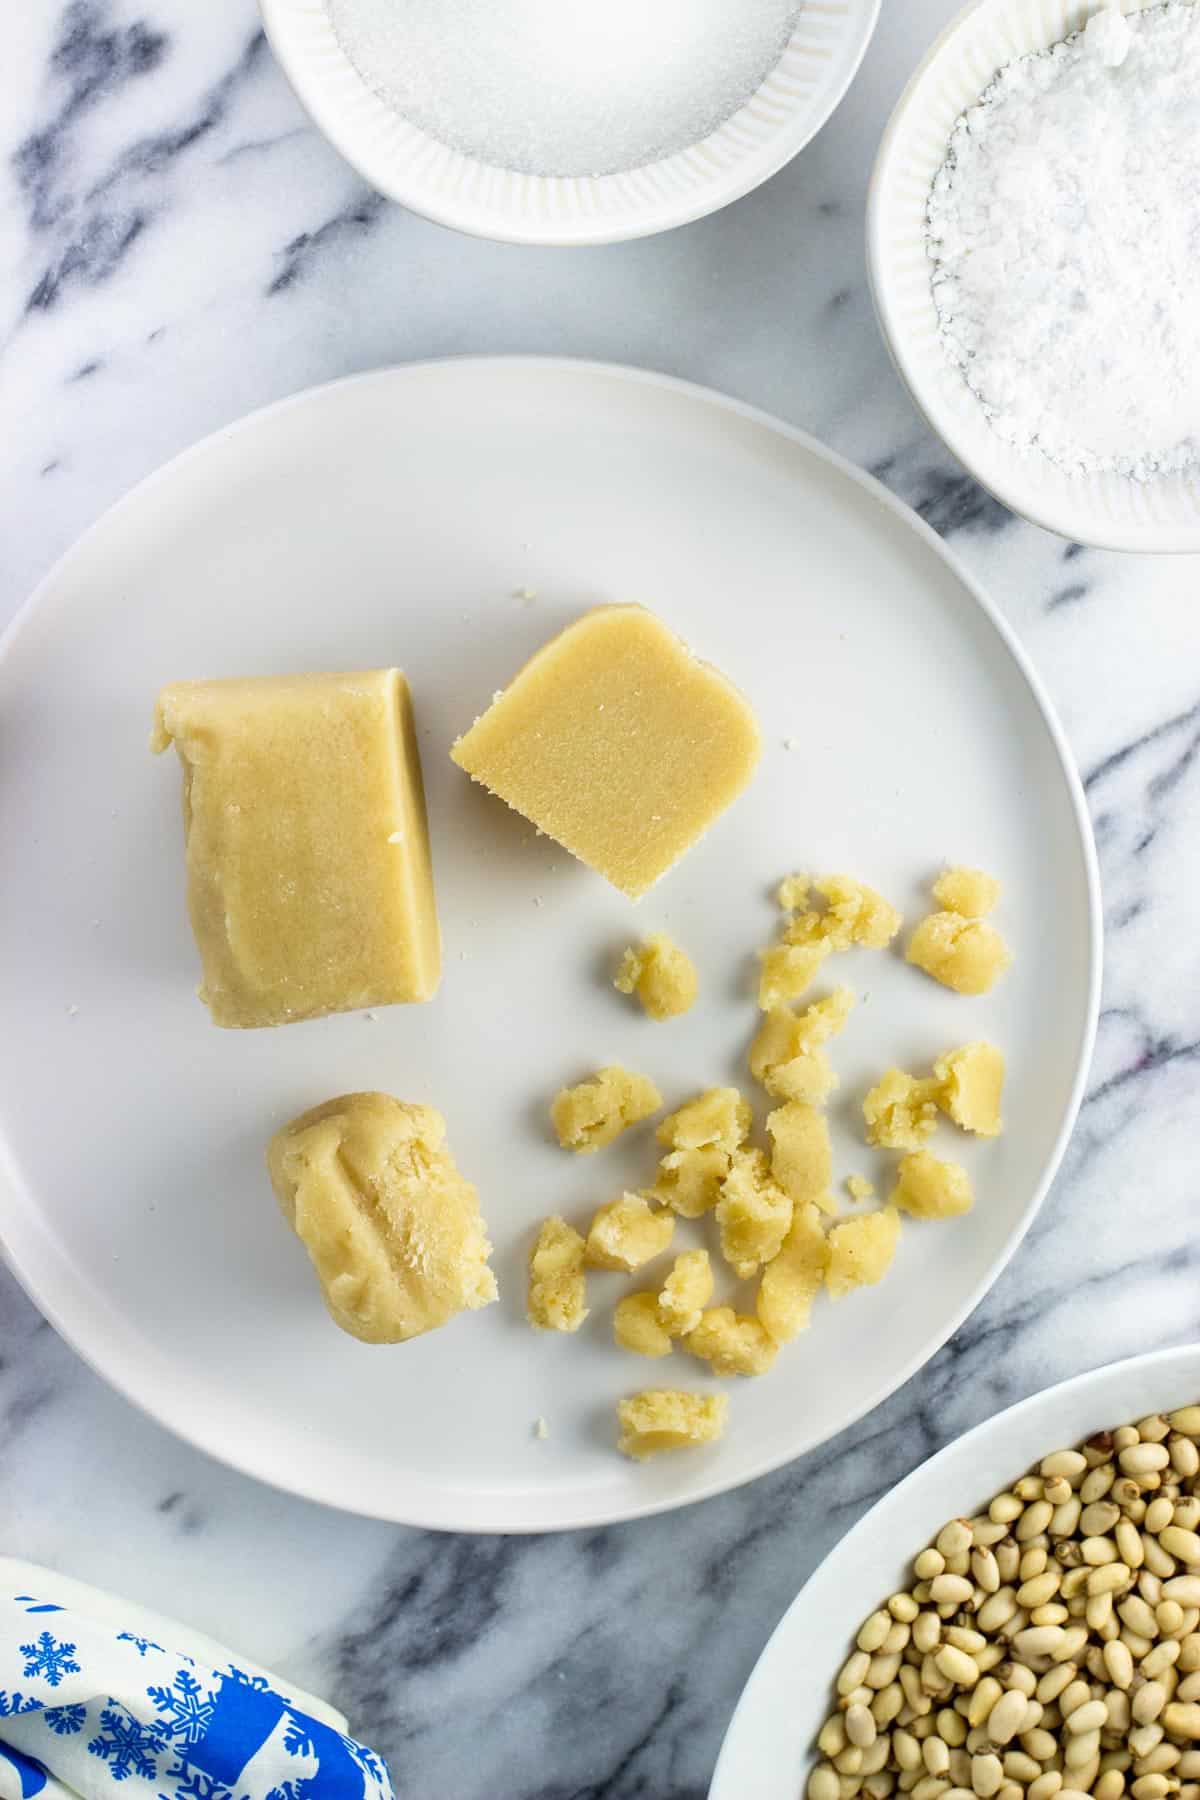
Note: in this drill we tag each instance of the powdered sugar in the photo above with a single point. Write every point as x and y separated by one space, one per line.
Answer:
1064 230
565 87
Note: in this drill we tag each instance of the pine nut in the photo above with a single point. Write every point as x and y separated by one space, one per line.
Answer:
930 1563
1148 1702
1045 1787
1005 1508
1040 1640
1054 1682
873 1632
1119 1663
887 1705
1074 1641
1039 1590
1158 1560
931 1787
860 1726
1150 1787
985 1570
1007 1717
1182 1719
957 1666
1154 1429
1160 1761
950 1590
1134 1612
1033 1521
854 1671
1097 1482
926 1632
1109 1578
997 1610
1096 1551
955 1537
987 1775
1189 1688
1080 1750
936 1756
983 1700
1170 1617
1143 1459
1180 1543
1091 1716
1039 1744
1185 1457
831 1738
1130 1543
1071 1463
1099 1518
1183 1588
1163 1656
823 1784
1110 1786
1160 1512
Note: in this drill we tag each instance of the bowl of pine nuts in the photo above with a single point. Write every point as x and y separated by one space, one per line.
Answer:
1018 1620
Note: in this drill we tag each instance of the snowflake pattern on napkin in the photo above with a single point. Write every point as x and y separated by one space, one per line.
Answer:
90 1709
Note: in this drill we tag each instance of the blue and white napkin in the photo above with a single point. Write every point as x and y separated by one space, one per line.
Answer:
103 1701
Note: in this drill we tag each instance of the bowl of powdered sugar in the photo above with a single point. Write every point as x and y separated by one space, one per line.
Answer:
1034 247
568 121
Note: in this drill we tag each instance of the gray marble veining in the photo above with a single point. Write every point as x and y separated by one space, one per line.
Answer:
180 246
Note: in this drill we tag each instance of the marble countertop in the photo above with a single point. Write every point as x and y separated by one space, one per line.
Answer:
179 246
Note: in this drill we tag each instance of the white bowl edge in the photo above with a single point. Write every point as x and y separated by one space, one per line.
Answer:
1107 511
407 165
797 1673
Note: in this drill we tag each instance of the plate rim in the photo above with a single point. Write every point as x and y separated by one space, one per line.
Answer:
1099 1379
458 1512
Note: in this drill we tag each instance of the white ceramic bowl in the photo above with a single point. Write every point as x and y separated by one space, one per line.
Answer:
1109 511
408 165
768 1747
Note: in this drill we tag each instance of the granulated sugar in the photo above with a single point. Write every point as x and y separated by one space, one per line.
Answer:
565 87
1064 230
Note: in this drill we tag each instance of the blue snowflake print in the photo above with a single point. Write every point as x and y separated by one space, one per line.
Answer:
65 1721
194 1784
366 1759
185 1710
296 1740
259 1682
126 1745
12 1704
49 1658
140 1643
288 1790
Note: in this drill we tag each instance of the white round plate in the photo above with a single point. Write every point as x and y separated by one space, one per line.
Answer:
394 518
768 1748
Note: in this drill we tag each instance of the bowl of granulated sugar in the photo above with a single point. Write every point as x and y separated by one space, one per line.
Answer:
1033 239
568 121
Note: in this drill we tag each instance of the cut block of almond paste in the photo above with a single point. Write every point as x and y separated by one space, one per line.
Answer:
310 886
618 743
